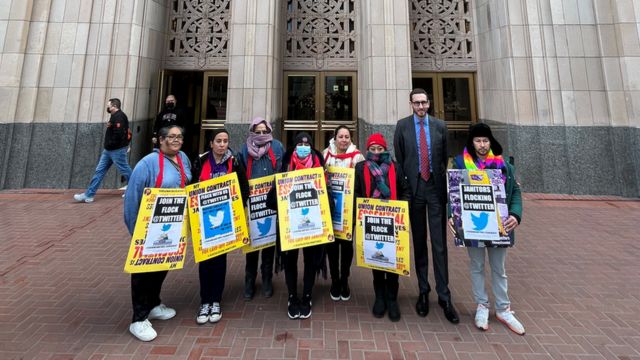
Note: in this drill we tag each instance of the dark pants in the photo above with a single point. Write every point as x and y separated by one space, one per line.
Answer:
266 268
145 293
312 256
212 275
385 284
340 264
427 199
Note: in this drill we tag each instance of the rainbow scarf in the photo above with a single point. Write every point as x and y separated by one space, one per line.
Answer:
491 162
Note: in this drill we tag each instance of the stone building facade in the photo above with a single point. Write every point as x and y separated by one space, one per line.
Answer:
559 80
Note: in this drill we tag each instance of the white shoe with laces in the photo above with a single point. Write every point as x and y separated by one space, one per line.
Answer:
506 317
82 198
161 312
143 330
482 317
216 313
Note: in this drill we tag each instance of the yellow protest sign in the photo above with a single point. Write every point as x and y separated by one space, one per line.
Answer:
216 213
262 220
303 209
341 181
161 231
382 235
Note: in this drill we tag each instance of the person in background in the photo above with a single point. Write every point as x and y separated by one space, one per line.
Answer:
341 153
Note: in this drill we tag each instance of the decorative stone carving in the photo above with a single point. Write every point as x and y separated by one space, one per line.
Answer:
321 35
198 34
442 36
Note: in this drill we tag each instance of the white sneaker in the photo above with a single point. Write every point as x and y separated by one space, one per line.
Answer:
161 312
506 317
82 198
143 330
203 314
216 313
482 317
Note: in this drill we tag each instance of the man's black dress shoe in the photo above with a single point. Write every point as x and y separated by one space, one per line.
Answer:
422 306
449 311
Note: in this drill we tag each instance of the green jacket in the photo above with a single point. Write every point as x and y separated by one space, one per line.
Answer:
512 189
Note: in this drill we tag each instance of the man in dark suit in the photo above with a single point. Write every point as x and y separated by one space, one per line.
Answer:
422 140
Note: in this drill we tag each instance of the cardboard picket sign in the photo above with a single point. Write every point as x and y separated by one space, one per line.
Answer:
341 182
216 213
304 215
382 235
262 221
160 236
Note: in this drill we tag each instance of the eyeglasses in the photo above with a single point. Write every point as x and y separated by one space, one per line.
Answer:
262 132
420 103
175 137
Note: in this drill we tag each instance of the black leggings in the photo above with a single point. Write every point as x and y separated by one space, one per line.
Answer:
340 266
312 256
145 293
212 275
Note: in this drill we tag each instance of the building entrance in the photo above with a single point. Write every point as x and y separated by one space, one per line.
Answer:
318 102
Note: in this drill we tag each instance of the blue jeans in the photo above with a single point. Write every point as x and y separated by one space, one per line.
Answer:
108 157
497 257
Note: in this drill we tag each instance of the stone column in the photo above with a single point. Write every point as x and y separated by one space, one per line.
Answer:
550 80
384 66
61 62
255 70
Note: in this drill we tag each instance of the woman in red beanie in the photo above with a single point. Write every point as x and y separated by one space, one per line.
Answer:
380 177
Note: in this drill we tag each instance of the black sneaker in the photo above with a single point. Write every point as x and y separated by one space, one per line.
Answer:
305 307
293 307
345 292
334 292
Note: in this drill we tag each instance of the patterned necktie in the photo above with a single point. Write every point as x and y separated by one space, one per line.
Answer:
424 153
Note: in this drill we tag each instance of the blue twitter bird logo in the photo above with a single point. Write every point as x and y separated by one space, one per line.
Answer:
480 221
379 245
305 211
166 227
265 226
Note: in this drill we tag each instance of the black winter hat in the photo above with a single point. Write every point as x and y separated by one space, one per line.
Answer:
303 137
482 130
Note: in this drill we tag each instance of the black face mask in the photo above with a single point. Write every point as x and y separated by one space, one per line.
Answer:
108 112
171 106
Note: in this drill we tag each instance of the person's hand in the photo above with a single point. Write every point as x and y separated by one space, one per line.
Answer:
511 223
154 140
452 228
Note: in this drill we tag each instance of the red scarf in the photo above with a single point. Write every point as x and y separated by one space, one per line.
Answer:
205 174
183 176
250 162
392 181
350 155
310 162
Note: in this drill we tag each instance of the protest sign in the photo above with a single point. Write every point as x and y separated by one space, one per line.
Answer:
159 237
341 182
303 209
478 207
218 223
262 220
382 235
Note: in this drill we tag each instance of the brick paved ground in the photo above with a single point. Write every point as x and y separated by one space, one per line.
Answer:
574 278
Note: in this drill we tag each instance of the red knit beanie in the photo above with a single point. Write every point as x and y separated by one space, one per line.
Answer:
376 139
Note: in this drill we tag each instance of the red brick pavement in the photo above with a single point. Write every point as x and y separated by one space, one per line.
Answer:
574 277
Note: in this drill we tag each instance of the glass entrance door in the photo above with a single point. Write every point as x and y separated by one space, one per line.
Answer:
317 103
452 97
